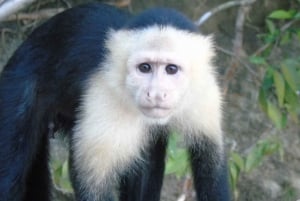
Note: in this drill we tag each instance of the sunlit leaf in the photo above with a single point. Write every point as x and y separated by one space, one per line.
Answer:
178 165
274 114
289 70
177 162
234 175
238 160
291 99
269 146
271 26
65 169
64 181
281 14
253 160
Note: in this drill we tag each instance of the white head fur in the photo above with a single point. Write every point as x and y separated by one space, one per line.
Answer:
191 97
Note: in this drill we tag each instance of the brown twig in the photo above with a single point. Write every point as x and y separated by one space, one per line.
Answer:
186 190
42 14
245 64
120 3
237 44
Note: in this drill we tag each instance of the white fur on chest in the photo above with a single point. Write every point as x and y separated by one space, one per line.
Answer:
107 137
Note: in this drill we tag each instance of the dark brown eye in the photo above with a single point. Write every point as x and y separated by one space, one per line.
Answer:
144 68
171 69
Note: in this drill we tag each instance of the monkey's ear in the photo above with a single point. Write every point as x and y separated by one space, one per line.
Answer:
118 45
119 39
201 54
206 47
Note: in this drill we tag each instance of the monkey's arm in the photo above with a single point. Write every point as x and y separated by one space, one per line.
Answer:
210 173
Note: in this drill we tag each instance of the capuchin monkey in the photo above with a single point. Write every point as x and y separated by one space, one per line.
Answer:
118 84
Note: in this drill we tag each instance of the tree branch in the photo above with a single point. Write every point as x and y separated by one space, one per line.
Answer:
42 14
221 7
9 7
187 189
237 44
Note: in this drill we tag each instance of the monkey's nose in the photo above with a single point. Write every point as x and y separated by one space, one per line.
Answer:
156 96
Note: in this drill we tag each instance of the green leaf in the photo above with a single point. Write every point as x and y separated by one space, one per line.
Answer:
262 148
269 146
297 16
65 170
234 175
274 114
272 38
263 100
281 14
257 60
279 87
289 71
57 174
268 81
64 180
253 160
179 164
291 98
237 160
271 26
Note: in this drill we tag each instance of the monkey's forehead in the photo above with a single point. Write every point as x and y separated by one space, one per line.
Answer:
160 38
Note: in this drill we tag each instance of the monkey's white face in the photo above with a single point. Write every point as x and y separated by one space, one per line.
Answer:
157 83
163 70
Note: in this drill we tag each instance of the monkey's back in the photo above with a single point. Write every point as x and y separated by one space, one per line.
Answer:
57 58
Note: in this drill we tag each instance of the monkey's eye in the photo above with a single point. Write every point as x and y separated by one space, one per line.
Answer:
144 67
171 69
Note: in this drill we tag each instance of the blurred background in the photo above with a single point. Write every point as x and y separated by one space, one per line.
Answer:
258 59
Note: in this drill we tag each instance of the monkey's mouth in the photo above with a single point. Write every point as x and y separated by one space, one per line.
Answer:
156 111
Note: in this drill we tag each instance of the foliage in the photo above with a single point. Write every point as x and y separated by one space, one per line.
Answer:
289 193
279 91
60 174
280 88
177 157
246 163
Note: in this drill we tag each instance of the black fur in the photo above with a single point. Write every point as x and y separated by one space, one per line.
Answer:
42 84
161 17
